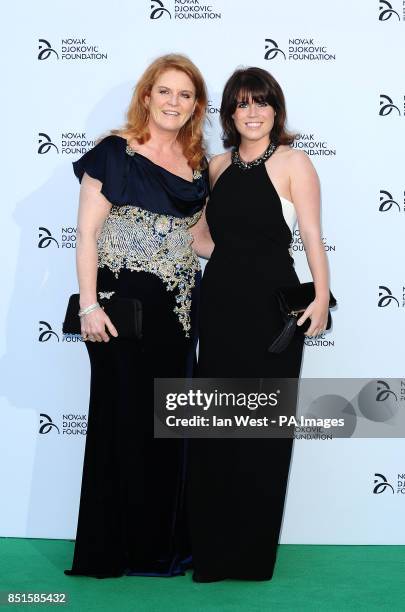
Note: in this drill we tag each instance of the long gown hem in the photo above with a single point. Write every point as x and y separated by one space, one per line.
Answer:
162 569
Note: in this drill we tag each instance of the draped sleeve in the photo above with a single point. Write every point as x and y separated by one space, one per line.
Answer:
129 178
104 162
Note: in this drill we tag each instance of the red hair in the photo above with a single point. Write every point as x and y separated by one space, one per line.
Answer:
191 134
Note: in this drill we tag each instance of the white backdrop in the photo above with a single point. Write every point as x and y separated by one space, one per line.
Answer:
69 78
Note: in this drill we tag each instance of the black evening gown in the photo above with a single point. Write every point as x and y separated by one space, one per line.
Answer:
237 486
132 508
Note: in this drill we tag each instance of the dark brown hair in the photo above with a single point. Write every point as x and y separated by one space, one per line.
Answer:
262 87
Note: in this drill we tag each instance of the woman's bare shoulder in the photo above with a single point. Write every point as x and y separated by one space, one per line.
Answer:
218 164
220 160
296 160
293 155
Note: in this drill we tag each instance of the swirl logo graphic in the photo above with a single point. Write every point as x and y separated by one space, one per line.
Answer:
272 49
386 297
46 238
46 332
45 49
46 424
157 10
381 484
45 144
386 201
384 391
386 11
387 106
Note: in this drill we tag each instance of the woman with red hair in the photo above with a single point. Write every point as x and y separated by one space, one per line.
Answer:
143 189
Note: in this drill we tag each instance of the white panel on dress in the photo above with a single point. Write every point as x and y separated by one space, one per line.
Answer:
289 213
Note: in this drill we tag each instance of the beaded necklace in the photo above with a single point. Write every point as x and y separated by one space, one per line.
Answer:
236 159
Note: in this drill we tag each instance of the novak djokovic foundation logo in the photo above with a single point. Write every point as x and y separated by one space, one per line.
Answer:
390 106
158 10
297 244
182 9
386 297
71 425
70 48
297 49
45 144
384 391
66 238
48 334
313 145
396 484
46 238
321 341
388 203
393 11
65 143
46 425
212 109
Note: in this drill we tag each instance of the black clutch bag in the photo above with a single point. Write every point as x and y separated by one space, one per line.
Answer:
292 302
125 315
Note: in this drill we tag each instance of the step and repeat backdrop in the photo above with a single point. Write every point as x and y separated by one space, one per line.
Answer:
69 78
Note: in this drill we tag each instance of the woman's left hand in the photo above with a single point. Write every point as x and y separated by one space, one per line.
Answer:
317 311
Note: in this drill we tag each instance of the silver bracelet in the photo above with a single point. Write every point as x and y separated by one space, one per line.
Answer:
84 311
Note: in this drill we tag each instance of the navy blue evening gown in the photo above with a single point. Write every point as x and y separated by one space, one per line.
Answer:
132 517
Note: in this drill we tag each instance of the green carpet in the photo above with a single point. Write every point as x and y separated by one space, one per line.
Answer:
313 578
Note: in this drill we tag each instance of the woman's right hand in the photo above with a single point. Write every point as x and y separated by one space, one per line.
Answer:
94 324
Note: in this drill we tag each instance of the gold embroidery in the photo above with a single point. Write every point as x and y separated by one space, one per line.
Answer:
142 241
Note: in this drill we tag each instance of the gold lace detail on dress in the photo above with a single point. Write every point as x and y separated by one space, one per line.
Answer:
142 241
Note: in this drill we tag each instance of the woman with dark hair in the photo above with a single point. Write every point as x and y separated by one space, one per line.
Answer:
259 189
142 193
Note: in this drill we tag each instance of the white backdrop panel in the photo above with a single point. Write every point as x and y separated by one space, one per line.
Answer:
333 101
